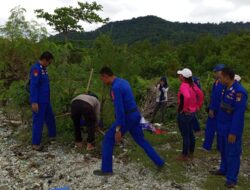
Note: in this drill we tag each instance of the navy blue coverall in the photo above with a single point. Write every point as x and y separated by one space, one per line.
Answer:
40 94
196 126
211 124
128 118
231 121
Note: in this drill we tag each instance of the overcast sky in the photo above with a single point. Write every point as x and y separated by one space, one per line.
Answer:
173 10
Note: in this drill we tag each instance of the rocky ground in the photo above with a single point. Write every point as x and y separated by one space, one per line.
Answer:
22 168
58 166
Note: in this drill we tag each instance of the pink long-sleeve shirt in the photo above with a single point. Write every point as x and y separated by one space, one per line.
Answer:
193 97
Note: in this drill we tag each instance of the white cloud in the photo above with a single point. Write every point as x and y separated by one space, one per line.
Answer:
172 10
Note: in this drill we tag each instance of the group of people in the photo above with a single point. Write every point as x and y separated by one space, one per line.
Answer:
228 103
226 116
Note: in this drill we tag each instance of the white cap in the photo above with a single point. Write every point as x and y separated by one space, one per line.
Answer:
237 78
187 73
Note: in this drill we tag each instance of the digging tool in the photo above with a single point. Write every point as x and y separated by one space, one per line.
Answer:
90 78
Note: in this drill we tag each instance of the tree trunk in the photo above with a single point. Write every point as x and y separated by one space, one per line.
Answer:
65 34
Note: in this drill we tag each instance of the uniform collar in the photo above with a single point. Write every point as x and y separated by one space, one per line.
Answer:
41 66
114 81
233 86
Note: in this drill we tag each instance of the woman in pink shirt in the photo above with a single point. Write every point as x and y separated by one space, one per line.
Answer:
190 99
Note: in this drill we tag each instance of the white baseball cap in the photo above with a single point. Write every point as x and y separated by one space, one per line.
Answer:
237 78
187 73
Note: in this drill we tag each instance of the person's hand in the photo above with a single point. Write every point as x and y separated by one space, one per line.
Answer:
231 138
118 137
211 113
35 107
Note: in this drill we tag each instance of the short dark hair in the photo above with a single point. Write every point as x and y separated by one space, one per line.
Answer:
46 55
228 72
189 81
92 94
106 71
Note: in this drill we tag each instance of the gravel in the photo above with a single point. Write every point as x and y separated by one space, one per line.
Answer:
22 168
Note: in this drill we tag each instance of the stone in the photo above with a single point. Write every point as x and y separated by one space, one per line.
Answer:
4 187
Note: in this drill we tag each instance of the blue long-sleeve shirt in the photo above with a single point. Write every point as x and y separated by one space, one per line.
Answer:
123 99
39 84
215 97
232 109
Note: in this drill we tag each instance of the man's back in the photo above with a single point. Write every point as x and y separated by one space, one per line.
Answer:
121 90
124 102
216 95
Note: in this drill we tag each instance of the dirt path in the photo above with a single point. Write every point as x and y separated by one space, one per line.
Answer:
22 168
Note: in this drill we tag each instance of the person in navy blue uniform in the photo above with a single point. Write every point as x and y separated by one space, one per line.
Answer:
196 127
230 126
40 100
127 119
211 124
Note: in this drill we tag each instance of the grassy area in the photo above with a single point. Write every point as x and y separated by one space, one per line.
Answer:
168 146
182 173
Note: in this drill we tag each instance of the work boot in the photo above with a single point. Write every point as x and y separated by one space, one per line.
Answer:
38 148
217 172
191 156
78 145
204 149
52 140
161 168
101 173
230 185
182 158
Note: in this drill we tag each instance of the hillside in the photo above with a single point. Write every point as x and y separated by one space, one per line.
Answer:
155 30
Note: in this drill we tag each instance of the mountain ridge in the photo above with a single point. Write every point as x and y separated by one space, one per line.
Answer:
155 30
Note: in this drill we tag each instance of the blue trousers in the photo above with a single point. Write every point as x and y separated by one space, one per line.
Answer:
185 124
45 114
211 129
133 127
230 159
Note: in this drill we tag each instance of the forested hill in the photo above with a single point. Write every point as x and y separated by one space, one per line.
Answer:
155 30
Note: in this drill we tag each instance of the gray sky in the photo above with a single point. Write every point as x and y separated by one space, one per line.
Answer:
173 10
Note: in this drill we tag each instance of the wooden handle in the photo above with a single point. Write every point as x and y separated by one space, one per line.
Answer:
90 77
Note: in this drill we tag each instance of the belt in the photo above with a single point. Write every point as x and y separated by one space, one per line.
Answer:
187 113
131 111
226 107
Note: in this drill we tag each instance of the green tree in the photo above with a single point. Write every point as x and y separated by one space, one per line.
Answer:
67 19
18 27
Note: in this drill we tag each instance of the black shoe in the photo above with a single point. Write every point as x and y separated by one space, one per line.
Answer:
38 148
101 173
52 140
160 168
230 185
217 172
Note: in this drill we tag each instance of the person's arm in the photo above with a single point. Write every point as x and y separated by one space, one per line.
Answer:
181 104
238 114
212 104
162 94
35 75
119 107
213 101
